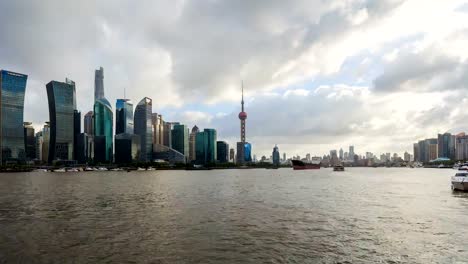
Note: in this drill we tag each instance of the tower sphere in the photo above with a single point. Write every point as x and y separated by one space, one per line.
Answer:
242 115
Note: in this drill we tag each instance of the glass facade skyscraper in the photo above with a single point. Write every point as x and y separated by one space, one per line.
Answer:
222 151
62 104
12 90
99 84
205 146
180 138
123 116
144 128
89 123
29 141
103 130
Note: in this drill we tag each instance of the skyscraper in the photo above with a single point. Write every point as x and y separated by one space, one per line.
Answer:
12 90
232 155
341 154
180 139
39 141
99 84
206 152
123 116
446 146
222 151
276 156
29 141
351 152
158 129
62 106
89 123
144 128
45 141
76 132
192 141
127 148
103 130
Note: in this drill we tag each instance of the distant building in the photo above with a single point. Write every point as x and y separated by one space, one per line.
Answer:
192 143
180 139
76 132
127 148
407 157
39 140
222 151
82 148
205 146
12 91
276 156
416 152
351 153
45 142
123 116
99 84
167 134
62 106
158 128
29 141
341 156
144 128
232 155
446 146
103 131
88 123
284 156
461 148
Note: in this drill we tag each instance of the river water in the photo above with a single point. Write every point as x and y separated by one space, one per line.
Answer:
362 215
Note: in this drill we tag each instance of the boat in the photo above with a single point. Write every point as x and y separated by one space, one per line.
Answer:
60 170
88 169
338 168
73 170
460 181
302 165
141 169
116 169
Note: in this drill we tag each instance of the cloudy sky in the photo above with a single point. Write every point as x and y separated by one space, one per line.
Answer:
318 75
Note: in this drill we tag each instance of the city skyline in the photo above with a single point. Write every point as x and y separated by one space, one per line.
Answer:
356 95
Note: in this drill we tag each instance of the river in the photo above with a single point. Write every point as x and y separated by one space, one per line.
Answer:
362 215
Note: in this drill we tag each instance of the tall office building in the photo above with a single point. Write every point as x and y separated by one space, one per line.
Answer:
89 123
29 141
222 151
180 139
341 153
276 156
158 129
12 90
45 142
416 152
205 146
144 128
192 141
232 155
99 84
461 148
123 116
76 132
167 133
39 140
446 146
103 131
62 106
127 148
351 152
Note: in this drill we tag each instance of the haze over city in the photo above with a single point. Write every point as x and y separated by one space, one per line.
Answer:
321 76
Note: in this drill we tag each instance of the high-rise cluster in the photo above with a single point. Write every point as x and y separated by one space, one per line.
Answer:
443 148
139 135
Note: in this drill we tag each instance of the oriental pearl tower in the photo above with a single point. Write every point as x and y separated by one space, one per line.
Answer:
244 149
242 116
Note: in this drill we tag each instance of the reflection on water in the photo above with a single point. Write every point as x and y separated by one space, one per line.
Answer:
362 215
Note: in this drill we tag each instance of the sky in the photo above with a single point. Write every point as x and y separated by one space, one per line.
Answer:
318 75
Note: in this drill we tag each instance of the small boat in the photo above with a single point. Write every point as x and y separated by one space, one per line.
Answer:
460 181
302 165
141 169
60 170
73 170
88 169
116 169
338 168
102 169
